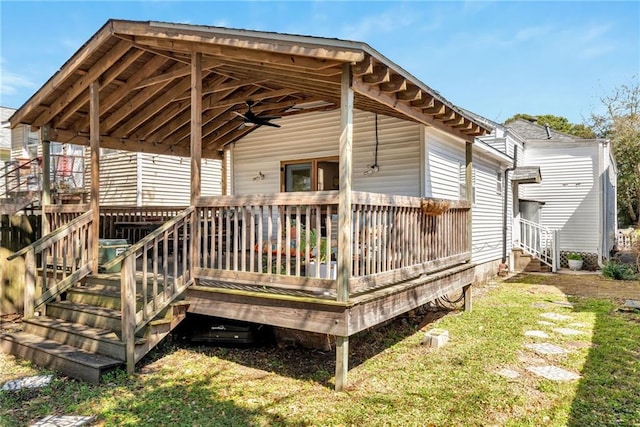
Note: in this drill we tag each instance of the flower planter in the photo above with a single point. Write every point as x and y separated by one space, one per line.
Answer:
575 264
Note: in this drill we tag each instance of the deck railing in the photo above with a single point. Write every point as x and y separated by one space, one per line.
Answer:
114 220
56 262
59 215
289 240
159 263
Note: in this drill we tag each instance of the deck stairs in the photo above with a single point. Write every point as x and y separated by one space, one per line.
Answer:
537 248
80 334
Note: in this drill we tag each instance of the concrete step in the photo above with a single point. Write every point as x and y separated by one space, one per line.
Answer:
71 361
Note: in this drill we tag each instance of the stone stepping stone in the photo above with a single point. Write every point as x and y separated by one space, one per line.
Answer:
545 323
539 305
632 304
579 325
63 421
28 382
563 304
546 348
553 373
537 334
555 316
509 373
567 331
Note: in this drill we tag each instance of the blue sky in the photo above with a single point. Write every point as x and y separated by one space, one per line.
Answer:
494 58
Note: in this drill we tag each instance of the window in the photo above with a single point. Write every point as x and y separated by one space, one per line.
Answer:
310 175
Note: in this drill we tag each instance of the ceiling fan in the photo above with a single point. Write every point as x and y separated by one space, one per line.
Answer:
249 118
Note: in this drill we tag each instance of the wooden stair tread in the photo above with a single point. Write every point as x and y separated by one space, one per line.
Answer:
72 354
93 309
76 328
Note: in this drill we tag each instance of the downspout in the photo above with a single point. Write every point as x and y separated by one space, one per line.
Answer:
505 201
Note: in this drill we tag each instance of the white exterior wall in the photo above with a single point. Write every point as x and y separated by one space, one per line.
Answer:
443 157
315 135
131 179
570 190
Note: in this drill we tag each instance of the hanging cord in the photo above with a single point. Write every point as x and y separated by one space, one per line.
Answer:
446 302
375 157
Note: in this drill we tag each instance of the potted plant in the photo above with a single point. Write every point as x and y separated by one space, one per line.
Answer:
575 261
318 257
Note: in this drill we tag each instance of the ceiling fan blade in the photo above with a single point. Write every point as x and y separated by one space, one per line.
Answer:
268 123
269 117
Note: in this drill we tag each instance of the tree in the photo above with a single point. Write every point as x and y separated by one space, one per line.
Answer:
621 125
559 123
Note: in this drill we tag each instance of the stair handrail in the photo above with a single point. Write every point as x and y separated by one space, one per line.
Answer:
75 232
539 241
11 167
134 320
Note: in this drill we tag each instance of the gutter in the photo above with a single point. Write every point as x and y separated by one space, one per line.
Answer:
505 201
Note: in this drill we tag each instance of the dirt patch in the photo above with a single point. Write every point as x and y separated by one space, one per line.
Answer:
583 285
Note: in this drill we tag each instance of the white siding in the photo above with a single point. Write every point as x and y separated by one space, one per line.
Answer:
569 189
118 176
166 180
315 135
487 213
443 157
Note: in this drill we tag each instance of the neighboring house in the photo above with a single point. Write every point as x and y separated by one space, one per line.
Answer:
5 134
577 194
555 183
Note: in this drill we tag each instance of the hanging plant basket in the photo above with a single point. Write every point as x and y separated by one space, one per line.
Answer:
435 206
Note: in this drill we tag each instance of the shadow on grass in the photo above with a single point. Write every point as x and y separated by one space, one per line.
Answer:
317 365
609 391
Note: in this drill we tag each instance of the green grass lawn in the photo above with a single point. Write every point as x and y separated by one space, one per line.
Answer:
394 380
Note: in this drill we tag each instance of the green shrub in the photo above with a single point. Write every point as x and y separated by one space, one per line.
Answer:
574 256
617 271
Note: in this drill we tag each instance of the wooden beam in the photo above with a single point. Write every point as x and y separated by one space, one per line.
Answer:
114 97
397 83
468 298
283 44
176 73
238 53
94 123
344 218
127 144
69 68
142 98
103 64
363 67
45 199
412 93
107 77
151 108
371 92
196 134
469 190
381 74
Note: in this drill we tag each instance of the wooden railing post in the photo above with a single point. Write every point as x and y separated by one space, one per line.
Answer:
128 308
29 284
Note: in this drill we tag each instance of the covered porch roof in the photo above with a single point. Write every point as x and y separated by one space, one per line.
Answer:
144 75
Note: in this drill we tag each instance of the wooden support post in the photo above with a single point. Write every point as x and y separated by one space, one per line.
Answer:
29 283
342 362
45 198
468 301
128 304
469 191
94 137
196 153
344 218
